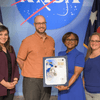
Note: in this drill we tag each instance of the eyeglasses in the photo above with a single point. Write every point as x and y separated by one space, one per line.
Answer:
41 23
94 41
72 40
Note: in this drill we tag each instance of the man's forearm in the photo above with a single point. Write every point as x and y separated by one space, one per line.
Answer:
20 63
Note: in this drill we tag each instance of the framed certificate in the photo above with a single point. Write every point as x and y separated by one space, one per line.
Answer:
55 71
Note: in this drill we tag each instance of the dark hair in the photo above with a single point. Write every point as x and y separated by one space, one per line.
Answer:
68 34
7 44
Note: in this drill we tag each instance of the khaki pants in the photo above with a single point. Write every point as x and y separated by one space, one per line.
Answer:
92 96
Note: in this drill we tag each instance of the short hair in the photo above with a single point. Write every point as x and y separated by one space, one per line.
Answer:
68 34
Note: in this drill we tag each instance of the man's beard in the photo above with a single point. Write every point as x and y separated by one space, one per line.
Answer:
41 32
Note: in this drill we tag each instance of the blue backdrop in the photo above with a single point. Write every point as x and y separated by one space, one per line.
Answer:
57 26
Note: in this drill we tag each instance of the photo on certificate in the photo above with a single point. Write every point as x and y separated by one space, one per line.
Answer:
55 71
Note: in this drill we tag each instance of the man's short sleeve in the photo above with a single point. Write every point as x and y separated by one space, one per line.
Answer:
79 61
23 50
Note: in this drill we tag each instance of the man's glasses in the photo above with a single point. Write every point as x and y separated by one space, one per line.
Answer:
40 23
95 41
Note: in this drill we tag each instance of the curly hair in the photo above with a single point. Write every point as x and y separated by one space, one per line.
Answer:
68 34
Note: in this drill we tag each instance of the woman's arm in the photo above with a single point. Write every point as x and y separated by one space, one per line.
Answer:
83 81
77 72
16 70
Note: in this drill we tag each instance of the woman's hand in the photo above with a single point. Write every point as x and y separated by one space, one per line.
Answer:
9 85
15 82
61 88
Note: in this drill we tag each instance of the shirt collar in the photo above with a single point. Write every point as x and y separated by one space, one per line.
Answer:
72 51
46 36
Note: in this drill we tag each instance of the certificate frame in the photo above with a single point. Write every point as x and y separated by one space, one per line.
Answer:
55 71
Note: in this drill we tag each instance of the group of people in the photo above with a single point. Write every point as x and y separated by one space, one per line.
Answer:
30 59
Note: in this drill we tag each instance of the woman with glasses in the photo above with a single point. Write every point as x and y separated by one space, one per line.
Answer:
91 79
75 90
9 73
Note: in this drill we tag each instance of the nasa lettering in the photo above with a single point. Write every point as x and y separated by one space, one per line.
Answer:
58 14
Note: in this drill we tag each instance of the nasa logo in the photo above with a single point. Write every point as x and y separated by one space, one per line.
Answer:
58 14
